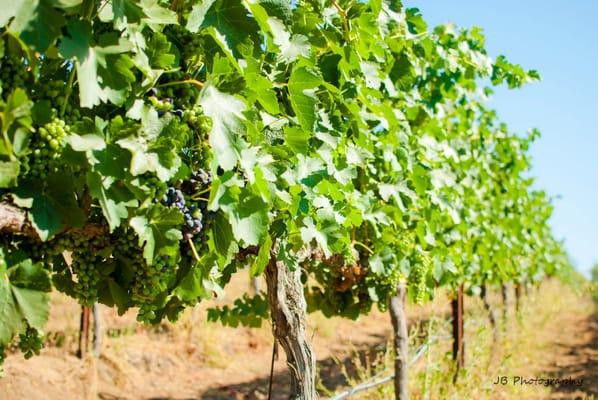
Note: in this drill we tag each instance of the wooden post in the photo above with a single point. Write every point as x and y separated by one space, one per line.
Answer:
458 344
83 332
288 311
398 317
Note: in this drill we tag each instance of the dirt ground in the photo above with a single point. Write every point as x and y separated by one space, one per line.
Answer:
575 356
200 360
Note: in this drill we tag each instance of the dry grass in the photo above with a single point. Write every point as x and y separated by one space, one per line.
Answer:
195 359
529 347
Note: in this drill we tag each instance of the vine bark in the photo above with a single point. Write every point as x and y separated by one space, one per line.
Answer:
289 314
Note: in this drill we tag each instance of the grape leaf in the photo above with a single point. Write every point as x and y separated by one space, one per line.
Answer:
263 257
92 68
223 236
229 18
198 15
37 22
302 85
291 47
23 298
157 228
311 232
226 136
114 201
121 11
249 219
191 287
9 171
52 205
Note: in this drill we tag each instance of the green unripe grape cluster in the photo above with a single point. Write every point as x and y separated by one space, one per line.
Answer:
196 119
190 46
418 276
86 266
13 74
201 125
46 147
52 90
30 342
148 280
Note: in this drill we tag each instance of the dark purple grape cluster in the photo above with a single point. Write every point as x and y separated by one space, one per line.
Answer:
202 177
193 216
197 182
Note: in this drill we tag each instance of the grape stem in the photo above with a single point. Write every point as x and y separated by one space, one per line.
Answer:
193 82
69 89
343 15
193 250
363 245
206 190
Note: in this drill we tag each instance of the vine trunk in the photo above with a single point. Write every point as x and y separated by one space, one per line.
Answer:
289 314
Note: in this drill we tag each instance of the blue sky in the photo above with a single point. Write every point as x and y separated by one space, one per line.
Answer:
560 40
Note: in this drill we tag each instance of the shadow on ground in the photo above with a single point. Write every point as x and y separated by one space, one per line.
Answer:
580 363
333 375
333 372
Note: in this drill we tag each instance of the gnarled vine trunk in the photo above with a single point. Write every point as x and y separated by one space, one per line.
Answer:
289 314
398 316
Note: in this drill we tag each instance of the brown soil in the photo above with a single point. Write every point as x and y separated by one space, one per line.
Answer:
575 356
200 360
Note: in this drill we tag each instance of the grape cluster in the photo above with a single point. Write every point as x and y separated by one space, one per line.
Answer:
182 94
148 281
418 276
46 146
30 342
86 264
190 46
198 121
193 215
52 90
198 183
13 74
161 105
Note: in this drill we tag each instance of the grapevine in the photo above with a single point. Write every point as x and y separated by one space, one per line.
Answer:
149 152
